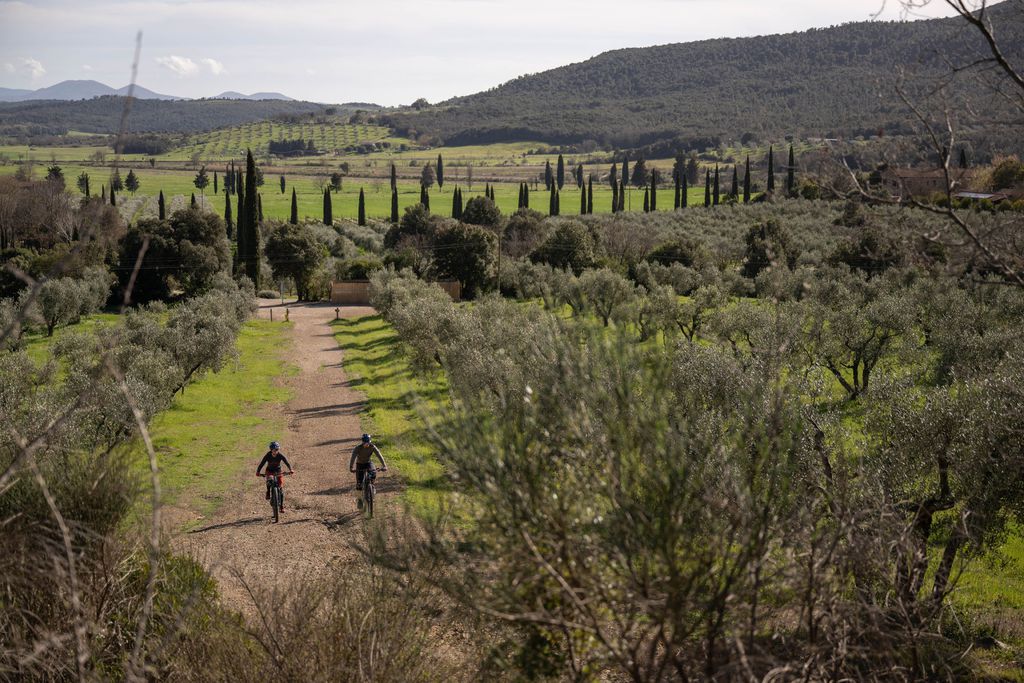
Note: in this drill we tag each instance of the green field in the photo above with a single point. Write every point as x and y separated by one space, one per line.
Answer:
214 427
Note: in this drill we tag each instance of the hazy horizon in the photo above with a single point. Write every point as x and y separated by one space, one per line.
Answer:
326 52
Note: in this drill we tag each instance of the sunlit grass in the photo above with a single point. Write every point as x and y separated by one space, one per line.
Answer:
218 426
395 396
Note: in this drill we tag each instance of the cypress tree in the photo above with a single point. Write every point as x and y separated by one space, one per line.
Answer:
791 174
455 203
282 183
526 196
259 206
362 207
394 178
963 161
519 204
558 203
715 193
252 235
579 176
161 207
394 206
583 202
215 190
328 209
103 193
622 195
240 231
707 187
682 193
548 179
746 183
647 200
426 198
423 195
113 197
440 172
229 227
615 198
551 203
771 170
613 178
560 172
294 218
239 183
193 204
654 189
735 192
624 177
676 203
590 195
229 182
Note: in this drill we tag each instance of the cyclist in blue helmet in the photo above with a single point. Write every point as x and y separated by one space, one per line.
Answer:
361 462
273 460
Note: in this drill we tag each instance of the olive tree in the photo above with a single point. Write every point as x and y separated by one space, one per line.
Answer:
295 251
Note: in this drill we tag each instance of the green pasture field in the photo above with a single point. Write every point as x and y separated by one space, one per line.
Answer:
178 188
376 366
38 345
214 427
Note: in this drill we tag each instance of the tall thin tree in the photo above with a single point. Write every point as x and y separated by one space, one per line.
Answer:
394 206
440 172
362 208
707 187
682 193
294 217
328 209
746 182
252 234
228 223
771 169
161 207
791 174
715 190
590 194
394 178
654 189
560 172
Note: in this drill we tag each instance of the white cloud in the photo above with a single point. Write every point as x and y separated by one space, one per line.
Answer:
182 66
215 67
86 67
7 67
33 66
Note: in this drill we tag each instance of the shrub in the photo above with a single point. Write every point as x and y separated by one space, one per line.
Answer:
570 246
268 294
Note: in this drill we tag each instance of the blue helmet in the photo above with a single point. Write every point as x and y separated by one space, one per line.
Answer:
366 438
274 445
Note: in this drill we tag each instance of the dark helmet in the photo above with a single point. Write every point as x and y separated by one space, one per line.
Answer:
366 438
274 445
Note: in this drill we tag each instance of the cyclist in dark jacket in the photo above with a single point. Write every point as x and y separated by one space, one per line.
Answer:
273 460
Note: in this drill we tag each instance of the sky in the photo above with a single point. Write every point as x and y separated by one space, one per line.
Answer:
388 52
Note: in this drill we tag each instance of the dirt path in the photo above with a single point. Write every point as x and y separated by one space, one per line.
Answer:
321 521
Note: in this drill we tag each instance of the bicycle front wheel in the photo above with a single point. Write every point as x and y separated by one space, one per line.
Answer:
275 501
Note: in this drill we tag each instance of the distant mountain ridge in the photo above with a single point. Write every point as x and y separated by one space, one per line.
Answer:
232 95
87 89
828 82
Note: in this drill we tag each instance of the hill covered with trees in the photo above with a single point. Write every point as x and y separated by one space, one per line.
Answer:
822 82
103 115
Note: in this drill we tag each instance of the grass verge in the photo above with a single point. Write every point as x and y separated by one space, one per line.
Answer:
216 426
395 400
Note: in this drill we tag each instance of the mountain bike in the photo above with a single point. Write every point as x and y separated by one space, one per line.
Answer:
369 490
276 492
